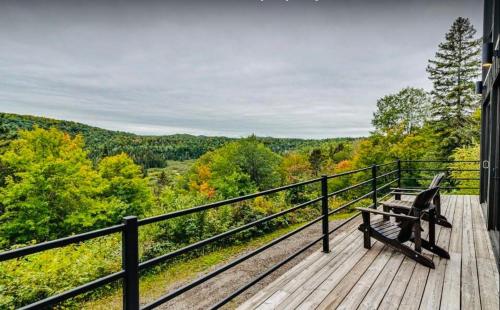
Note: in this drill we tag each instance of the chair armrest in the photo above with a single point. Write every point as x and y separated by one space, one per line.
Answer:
406 189
398 216
405 193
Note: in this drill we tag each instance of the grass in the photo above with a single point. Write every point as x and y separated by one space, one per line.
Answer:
173 168
153 285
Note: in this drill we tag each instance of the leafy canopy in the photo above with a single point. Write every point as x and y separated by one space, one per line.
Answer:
52 189
235 169
408 109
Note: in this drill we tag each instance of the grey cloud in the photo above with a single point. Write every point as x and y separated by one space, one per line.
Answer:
296 69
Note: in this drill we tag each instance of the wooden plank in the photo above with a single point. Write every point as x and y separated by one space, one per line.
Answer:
277 284
450 298
336 295
383 279
294 283
359 290
263 294
381 285
431 299
470 282
415 289
334 278
317 279
395 293
486 265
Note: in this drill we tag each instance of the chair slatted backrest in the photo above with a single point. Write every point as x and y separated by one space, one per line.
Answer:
421 202
436 181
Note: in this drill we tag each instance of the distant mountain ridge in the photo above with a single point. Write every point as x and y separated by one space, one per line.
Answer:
148 151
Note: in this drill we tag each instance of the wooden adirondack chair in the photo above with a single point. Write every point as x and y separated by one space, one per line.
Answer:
403 206
408 228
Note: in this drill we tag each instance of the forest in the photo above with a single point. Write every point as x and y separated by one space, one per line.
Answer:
59 178
147 151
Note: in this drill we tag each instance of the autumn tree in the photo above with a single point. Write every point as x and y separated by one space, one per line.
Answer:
236 169
296 167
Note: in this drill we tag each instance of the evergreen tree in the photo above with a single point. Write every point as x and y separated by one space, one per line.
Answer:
452 72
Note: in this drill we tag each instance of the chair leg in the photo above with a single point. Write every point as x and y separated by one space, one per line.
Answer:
432 227
437 203
366 230
411 253
435 249
386 209
366 238
417 238
440 220
443 221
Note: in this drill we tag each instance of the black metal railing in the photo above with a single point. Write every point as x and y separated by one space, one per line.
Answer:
379 182
413 174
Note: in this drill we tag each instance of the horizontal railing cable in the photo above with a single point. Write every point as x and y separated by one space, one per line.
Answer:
201 243
32 249
388 164
212 274
266 273
445 179
349 188
439 170
440 161
222 203
350 203
336 175
348 220
386 174
386 185
75 292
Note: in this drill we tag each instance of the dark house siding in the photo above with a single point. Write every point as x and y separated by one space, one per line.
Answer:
490 127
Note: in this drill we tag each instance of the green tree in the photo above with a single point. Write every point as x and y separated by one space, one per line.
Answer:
259 162
236 169
409 109
464 174
52 190
124 186
453 71
316 159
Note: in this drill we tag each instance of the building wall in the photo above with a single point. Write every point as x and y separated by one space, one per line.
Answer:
490 129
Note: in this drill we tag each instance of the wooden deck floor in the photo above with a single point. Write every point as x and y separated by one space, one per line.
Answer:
351 277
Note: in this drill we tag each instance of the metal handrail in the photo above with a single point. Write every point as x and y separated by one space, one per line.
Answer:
129 229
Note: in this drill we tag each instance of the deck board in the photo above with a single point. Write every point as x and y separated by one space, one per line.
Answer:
434 285
352 277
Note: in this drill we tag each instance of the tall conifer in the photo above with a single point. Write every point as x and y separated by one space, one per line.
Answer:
453 70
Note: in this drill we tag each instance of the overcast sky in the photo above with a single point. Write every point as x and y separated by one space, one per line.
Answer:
297 68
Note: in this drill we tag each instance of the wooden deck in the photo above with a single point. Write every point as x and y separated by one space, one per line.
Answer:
351 277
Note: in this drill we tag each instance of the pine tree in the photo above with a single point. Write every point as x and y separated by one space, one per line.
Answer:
452 72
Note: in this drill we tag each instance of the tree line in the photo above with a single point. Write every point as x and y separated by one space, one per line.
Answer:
147 151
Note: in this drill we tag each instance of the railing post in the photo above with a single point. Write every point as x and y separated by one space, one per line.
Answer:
324 212
130 263
398 196
374 185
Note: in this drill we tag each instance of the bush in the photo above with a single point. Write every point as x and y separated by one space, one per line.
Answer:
38 276
466 153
